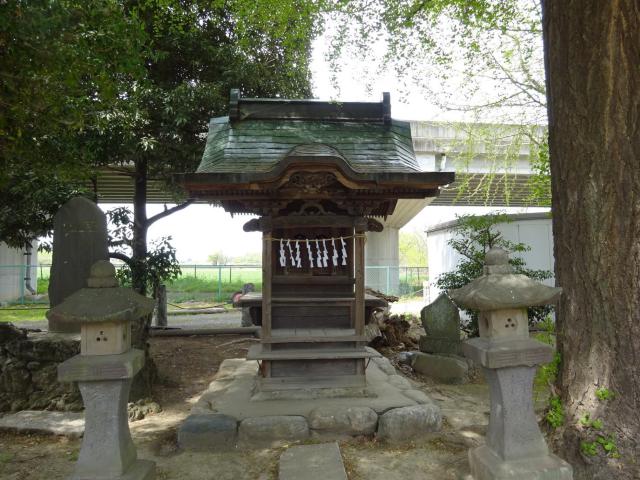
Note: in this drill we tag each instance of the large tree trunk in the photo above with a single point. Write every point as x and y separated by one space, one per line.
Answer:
140 227
592 55
143 381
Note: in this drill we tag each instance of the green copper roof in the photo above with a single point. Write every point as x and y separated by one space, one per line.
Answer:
258 145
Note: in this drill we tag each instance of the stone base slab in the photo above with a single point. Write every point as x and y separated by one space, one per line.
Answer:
140 470
68 424
486 465
312 462
87 368
231 395
445 369
510 353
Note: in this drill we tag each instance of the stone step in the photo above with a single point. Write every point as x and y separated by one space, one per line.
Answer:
69 424
256 352
312 462
313 335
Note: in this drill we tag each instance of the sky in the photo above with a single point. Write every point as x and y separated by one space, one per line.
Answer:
201 230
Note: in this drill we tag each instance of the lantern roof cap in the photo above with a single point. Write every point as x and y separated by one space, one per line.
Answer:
499 288
102 300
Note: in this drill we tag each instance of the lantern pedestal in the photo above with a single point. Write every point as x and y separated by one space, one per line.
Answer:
107 452
515 447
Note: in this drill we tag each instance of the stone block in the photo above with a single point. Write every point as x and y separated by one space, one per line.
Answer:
57 423
312 462
399 382
446 369
486 465
208 432
271 429
344 421
385 365
438 345
417 396
84 368
510 353
406 423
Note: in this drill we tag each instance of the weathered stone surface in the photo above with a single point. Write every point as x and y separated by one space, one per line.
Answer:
445 369
346 421
57 423
406 423
28 379
210 432
418 396
400 382
486 465
267 430
441 322
79 240
385 365
107 448
312 462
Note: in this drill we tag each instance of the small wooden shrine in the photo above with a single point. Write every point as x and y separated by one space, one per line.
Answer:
317 175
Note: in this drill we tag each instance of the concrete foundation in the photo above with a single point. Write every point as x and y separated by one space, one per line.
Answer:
316 414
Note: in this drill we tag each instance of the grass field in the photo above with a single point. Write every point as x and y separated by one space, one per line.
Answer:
200 284
27 313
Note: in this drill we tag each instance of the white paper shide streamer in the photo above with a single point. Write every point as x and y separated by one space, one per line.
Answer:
318 257
298 259
325 254
283 259
344 251
334 257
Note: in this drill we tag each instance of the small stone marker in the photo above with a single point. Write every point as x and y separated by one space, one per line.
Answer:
441 322
79 240
312 462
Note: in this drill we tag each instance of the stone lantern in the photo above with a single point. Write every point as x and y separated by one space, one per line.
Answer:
104 371
515 447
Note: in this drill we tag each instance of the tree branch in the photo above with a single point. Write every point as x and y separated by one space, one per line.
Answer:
169 211
121 256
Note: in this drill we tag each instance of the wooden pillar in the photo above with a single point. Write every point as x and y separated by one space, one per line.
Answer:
267 276
358 248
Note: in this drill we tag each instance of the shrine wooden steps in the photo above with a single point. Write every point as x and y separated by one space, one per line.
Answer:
256 352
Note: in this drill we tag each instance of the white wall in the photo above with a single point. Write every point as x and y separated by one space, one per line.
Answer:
12 272
531 229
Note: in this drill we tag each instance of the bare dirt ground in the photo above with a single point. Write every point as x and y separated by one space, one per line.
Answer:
188 365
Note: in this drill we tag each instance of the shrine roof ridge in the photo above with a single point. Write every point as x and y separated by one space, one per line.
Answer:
241 109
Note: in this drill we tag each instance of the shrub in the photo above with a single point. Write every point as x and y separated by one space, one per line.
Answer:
473 237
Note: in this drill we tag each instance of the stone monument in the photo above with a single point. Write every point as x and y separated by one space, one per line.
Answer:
104 371
515 447
441 322
79 240
440 349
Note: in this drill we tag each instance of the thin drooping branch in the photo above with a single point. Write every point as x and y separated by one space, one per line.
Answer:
168 211
121 256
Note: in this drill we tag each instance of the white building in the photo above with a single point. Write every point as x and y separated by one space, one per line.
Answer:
16 278
532 229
